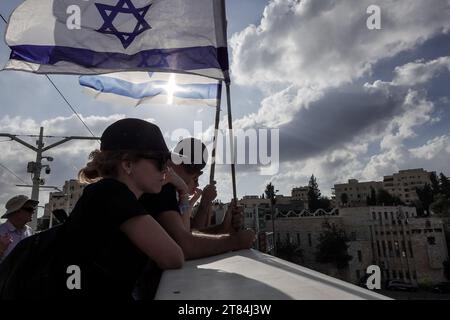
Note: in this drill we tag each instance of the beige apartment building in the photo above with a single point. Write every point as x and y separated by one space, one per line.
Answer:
402 185
66 200
300 193
357 192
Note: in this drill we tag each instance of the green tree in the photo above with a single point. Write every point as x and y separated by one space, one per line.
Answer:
444 185
372 199
344 199
325 203
313 194
435 186
441 206
289 252
384 198
447 269
333 247
426 198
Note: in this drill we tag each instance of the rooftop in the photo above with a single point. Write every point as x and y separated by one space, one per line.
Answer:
252 275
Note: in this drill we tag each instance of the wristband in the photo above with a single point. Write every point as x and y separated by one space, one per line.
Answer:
184 205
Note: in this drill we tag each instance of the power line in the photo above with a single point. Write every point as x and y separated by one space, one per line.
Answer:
3 18
70 106
15 175
62 95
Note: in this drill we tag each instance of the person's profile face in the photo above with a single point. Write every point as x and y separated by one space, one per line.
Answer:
193 182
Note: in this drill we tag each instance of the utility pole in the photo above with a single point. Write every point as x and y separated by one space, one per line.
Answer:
35 167
36 174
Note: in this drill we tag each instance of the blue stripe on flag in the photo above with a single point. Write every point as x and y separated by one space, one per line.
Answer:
148 89
192 58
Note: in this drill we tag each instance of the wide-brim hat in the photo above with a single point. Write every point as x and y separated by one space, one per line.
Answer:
16 203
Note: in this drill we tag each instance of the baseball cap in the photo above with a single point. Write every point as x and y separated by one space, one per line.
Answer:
136 135
16 203
192 154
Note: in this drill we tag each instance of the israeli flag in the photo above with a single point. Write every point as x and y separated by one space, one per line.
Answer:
107 36
137 88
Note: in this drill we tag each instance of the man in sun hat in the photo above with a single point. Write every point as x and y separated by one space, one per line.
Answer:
19 211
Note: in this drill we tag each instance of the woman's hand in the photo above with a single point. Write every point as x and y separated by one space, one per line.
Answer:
177 181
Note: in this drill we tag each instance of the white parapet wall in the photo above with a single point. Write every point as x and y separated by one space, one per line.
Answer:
252 275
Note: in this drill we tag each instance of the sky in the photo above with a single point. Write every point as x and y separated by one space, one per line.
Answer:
349 102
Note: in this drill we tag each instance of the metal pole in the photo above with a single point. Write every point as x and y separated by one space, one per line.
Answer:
233 156
273 230
50 225
37 176
216 132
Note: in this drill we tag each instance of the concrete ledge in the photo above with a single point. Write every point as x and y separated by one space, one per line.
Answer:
252 275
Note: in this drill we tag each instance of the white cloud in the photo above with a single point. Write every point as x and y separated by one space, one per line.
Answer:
432 148
420 72
326 43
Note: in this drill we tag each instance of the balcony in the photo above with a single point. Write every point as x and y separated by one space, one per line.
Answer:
252 275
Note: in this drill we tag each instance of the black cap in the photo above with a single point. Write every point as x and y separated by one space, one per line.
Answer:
136 135
193 152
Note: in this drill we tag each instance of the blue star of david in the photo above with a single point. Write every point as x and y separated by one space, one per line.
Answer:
109 13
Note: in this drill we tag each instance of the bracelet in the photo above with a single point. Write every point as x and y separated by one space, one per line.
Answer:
184 205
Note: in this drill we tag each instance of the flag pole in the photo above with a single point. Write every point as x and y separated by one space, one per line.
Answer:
230 127
216 132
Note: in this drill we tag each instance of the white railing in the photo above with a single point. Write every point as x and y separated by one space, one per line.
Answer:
252 275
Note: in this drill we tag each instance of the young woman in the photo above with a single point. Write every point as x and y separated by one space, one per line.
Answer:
109 236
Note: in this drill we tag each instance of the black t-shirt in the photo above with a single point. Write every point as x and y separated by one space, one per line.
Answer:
155 204
166 200
110 263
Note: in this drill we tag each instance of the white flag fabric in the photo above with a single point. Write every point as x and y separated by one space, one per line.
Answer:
106 36
137 88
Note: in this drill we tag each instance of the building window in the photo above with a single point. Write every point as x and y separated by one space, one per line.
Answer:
397 249
414 275
385 215
278 237
390 249
298 239
359 256
384 248
403 248
378 248
400 274
358 274
394 274
431 241
309 240
374 216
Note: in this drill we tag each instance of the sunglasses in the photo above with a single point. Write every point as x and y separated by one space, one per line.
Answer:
161 161
29 209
